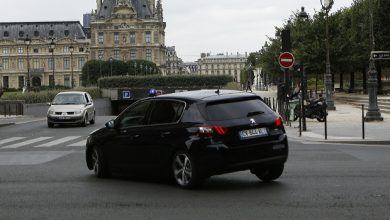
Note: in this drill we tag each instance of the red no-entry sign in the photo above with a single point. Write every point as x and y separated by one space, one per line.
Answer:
286 60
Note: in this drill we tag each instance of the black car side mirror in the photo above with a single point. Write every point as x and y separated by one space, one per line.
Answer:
110 124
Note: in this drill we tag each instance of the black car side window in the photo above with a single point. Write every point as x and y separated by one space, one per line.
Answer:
165 112
134 116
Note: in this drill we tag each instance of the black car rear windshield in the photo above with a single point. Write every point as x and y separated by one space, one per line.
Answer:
234 109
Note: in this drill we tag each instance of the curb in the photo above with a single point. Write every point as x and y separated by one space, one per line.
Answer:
360 142
7 124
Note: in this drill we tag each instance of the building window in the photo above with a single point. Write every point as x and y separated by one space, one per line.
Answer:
148 54
6 34
20 63
156 37
81 49
36 50
5 50
148 37
116 38
21 81
116 54
81 62
66 63
67 80
101 38
20 50
51 32
36 63
36 33
66 49
5 82
100 54
66 33
132 38
5 63
133 54
50 63
21 33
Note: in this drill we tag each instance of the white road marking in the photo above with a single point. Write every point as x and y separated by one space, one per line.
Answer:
8 140
59 141
21 144
79 144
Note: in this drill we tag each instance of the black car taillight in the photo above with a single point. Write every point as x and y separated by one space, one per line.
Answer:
278 122
210 130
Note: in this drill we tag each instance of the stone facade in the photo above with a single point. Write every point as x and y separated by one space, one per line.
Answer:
191 68
222 64
128 30
174 65
14 56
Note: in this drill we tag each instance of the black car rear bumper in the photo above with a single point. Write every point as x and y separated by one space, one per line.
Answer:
219 159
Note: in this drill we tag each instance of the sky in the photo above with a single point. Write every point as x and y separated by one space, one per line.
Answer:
193 26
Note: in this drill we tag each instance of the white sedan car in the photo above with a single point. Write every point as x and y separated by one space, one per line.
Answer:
71 108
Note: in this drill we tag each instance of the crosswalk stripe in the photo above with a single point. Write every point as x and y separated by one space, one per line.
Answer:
59 141
79 144
8 140
21 144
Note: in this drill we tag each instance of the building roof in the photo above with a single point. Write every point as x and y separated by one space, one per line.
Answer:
57 29
140 6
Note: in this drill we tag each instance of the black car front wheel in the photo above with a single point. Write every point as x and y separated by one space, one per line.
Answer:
184 170
268 174
99 164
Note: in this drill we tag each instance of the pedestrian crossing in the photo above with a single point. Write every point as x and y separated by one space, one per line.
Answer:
42 142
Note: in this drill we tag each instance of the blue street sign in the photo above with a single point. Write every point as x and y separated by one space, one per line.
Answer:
126 94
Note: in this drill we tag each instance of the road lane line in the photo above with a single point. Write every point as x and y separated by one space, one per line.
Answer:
79 144
25 143
59 141
8 140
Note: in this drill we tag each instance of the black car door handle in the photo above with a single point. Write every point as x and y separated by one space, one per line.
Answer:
164 134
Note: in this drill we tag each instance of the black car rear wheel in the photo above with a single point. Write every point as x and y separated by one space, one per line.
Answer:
99 164
268 174
184 170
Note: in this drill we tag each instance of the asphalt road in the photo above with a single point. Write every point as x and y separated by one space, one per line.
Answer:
43 176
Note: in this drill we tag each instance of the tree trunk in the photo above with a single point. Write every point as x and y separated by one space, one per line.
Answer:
352 82
341 82
364 80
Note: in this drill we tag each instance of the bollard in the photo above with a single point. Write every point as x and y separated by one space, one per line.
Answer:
326 126
300 119
363 127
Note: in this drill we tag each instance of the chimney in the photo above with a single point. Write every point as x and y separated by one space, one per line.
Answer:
99 5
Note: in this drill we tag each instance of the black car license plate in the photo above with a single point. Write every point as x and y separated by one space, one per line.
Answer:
253 133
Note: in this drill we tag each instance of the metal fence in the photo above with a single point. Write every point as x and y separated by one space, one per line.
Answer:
11 108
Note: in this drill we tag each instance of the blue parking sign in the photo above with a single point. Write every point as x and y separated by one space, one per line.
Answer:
126 95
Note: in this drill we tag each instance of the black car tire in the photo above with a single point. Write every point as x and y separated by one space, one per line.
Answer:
99 165
268 174
50 125
92 121
184 170
85 121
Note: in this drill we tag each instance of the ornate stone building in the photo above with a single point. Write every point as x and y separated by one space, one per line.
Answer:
128 30
174 65
25 53
222 64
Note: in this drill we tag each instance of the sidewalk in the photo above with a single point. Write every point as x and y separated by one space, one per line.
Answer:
19 119
344 126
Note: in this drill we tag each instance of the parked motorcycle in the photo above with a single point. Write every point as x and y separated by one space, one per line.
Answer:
315 109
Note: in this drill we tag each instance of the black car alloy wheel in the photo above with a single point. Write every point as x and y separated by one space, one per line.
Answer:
99 166
184 170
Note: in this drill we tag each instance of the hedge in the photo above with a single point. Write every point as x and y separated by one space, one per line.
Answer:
163 81
45 96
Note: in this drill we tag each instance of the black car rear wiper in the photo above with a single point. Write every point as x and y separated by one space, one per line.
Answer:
254 113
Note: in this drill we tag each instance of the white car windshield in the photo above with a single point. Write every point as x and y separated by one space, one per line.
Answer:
68 99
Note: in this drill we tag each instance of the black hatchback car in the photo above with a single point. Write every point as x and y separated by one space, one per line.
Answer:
192 136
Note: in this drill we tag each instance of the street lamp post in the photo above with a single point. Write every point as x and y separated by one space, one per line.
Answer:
373 113
27 42
327 6
71 49
303 15
52 47
110 66
100 65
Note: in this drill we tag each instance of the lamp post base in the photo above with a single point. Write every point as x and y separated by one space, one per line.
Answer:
330 105
373 115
